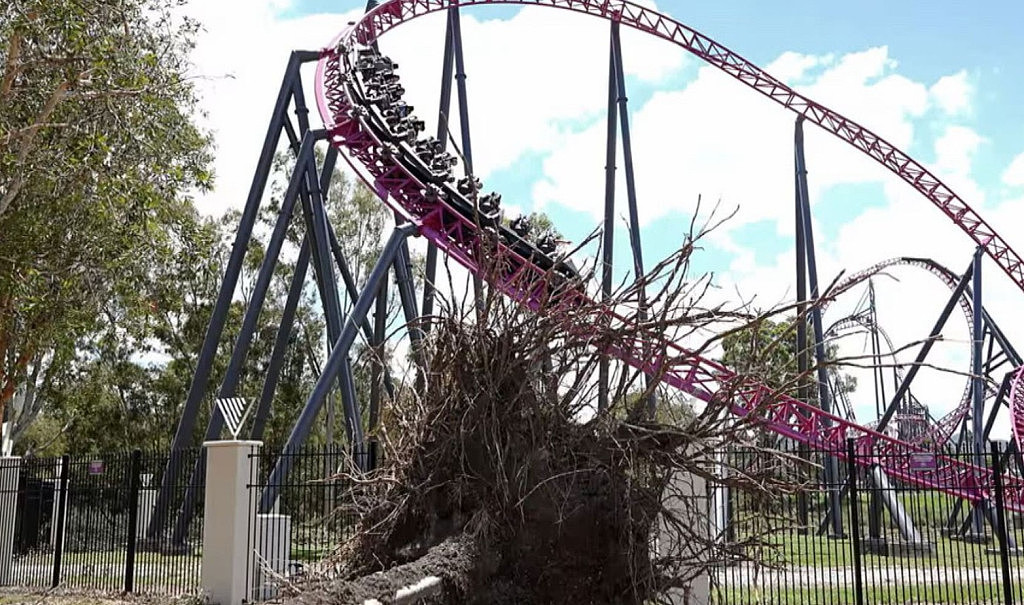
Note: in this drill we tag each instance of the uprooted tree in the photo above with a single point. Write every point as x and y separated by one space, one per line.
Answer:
503 480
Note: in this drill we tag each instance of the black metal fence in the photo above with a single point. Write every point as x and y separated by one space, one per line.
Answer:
309 518
889 542
81 523
855 537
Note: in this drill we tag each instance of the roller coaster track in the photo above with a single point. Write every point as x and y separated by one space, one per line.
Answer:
1017 404
394 177
942 431
861 322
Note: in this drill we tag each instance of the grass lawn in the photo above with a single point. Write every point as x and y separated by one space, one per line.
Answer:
12 597
910 593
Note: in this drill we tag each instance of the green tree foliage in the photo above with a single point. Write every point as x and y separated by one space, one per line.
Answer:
99 153
127 380
767 351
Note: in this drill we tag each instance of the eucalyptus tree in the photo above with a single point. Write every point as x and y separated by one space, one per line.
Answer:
99 153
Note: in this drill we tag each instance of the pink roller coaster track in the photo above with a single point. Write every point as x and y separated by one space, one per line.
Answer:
940 433
673 364
1017 404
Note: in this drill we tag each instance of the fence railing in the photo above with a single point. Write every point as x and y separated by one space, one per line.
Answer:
80 522
851 535
891 542
309 519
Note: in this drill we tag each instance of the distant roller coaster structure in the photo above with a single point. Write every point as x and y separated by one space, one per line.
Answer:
367 123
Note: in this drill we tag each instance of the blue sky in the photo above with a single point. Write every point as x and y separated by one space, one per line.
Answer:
940 79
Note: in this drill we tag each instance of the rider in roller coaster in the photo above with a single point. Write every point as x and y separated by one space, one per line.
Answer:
381 93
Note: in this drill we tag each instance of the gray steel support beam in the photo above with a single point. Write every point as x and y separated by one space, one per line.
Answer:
444 107
890 498
353 413
284 332
803 389
922 354
978 382
244 339
407 295
353 292
204 365
634 220
379 364
824 399
467 142
608 231
1000 338
301 111
878 370
333 366
320 226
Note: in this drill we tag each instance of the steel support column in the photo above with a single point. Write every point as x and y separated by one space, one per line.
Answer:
338 356
444 107
877 370
824 400
407 296
352 291
978 385
803 388
379 367
244 339
284 333
634 221
204 365
608 233
467 142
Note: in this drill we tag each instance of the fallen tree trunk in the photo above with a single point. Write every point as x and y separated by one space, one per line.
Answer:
453 562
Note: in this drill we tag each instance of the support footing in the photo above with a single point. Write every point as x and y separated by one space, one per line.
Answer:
1013 552
971 538
885 548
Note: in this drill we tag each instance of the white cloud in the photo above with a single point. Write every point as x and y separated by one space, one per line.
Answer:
953 93
531 79
239 60
1014 173
793 66
954 154
717 138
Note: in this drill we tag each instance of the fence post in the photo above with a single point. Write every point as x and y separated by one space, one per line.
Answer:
851 472
229 512
1001 530
62 515
134 486
10 468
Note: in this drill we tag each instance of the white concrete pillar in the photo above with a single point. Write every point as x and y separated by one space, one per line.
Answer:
274 545
9 471
147 504
229 511
686 496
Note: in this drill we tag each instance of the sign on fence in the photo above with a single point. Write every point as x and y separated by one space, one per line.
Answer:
96 467
922 461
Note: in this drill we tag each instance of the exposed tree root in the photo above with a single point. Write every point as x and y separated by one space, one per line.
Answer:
502 479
